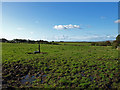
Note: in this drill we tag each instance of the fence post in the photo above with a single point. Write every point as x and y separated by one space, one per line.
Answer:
39 47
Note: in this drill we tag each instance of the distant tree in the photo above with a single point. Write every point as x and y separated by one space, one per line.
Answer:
108 43
118 39
11 41
115 44
31 41
3 40
20 40
93 43
16 40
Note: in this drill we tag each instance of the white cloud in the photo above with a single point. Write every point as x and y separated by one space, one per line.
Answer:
93 37
61 37
31 32
70 26
20 28
81 37
85 38
117 21
44 38
59 27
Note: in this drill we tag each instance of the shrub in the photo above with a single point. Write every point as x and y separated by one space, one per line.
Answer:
118 39
108 43
93 43
115 44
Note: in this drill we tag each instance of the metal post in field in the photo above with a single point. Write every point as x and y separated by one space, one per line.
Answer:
39 47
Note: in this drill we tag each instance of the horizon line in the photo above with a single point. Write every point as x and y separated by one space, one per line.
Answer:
62 40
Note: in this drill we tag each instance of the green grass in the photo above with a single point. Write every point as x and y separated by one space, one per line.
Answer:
75 43
65 65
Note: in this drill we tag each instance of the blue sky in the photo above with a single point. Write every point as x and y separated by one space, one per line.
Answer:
60 21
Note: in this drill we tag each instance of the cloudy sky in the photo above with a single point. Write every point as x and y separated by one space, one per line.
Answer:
68 21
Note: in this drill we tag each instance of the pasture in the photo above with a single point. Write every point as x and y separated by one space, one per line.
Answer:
68 65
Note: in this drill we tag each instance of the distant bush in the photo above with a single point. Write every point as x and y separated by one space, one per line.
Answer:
102 44
115 44
3 40
107 43
28 41
118 39
93 43
53 43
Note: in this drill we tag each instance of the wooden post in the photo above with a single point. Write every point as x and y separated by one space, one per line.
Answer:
39 47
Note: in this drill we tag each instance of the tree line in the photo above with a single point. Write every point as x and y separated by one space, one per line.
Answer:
114 44
27 41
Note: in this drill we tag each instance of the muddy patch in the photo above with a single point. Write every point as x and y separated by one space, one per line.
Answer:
29 79
17 75
36 53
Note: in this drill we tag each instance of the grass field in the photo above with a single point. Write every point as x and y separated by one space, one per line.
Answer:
69 65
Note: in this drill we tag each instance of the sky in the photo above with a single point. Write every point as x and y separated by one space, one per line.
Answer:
60 1
60 21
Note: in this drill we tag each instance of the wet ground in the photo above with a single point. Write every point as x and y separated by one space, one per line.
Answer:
29 79
18 75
